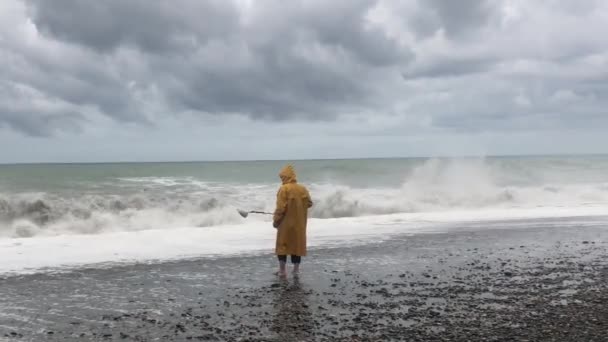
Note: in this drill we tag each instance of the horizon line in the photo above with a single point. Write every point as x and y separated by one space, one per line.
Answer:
303 159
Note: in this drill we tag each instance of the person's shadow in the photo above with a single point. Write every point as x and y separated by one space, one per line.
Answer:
293 319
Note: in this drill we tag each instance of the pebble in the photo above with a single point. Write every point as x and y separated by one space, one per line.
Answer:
473 301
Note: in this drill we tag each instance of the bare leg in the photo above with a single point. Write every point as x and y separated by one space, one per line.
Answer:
282 271
295 260
282 261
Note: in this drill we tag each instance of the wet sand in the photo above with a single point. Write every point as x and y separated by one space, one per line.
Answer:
540 283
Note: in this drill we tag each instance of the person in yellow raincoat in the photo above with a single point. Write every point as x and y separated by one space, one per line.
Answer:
290 219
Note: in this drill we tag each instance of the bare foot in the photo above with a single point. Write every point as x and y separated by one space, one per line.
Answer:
282 269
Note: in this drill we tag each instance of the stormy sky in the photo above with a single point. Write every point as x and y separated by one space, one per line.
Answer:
140 80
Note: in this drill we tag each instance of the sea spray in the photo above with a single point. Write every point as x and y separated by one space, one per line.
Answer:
133 198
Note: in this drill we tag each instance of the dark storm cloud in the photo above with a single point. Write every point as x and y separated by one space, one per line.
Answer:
77 80
278 61
342 25
314 62
495 64
155 26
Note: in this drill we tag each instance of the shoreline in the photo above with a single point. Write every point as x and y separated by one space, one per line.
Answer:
538 284
62 253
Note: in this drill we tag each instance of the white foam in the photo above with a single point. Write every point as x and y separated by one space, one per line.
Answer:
28 255
142 203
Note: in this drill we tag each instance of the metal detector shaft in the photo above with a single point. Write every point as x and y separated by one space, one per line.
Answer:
246 213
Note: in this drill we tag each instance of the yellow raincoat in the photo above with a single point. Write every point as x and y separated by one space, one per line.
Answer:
291 214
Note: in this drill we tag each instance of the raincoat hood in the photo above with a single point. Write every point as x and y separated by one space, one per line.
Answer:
288 175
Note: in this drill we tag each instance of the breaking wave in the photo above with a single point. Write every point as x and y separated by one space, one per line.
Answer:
42 214
440 185
436 185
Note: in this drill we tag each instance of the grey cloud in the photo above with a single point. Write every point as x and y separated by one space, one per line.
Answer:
36 125
41 118
317 61
447 67
544 106
341 24
456 18
460 17
278 84
79 81
273 60
159 26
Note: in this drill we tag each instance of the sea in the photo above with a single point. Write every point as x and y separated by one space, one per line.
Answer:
57 217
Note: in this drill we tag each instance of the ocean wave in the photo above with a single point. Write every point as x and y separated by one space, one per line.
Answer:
440 185
436 185
27 215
